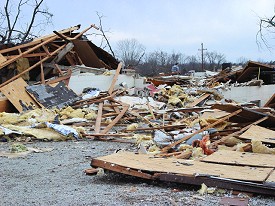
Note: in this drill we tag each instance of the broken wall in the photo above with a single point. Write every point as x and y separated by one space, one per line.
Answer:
250 93
79 82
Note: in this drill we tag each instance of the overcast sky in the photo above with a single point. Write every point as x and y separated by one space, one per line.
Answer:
226 26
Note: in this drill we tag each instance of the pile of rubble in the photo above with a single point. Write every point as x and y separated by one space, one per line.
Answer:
185 129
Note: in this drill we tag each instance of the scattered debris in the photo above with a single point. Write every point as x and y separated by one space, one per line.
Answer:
185 129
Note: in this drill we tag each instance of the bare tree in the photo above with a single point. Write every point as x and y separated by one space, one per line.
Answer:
103 34
15 27
242 61
214 60
130 51
266 26
192 63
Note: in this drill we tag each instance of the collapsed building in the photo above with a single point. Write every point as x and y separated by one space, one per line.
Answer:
217 130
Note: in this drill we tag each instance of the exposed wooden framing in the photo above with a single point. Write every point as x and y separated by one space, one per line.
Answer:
165 149
112 86
98 118
118 117
33 66
38 40
238 132
6 63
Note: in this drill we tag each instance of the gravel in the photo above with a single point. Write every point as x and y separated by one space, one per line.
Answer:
57 178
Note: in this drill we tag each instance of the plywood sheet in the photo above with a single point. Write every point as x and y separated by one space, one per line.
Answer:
214 113
184 167
260 134
241 158
17 95
87 54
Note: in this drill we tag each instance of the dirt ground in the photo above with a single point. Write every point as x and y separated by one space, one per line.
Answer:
57 178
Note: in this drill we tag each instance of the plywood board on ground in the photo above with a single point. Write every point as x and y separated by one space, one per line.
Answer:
145 162
260 134
241 158
17 95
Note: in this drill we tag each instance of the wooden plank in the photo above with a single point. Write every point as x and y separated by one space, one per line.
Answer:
258 133
165 149
118 117
98 118
145 162
199 100
17 95
112 86
241 158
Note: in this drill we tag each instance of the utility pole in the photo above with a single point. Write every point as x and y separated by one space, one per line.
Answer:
202 63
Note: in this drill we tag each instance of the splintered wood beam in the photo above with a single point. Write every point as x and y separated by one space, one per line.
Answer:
98 118
238 132
111 89
165 149
118 117
30 68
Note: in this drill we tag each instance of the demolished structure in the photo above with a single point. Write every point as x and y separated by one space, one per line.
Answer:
186 130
